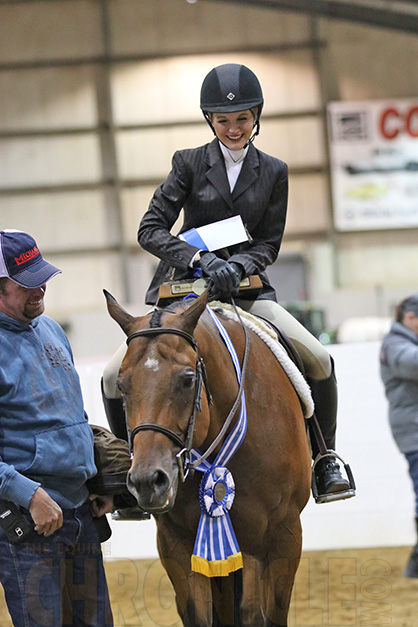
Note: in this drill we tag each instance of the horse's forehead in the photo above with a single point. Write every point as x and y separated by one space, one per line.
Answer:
157 354
152 363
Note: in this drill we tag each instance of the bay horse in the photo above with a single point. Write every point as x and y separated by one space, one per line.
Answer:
162 385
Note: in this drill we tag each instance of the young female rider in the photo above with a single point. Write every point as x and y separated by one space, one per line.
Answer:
225 178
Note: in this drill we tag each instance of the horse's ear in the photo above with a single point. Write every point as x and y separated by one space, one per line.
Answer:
191 315
124 320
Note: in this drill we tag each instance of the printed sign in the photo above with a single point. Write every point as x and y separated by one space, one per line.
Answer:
374 164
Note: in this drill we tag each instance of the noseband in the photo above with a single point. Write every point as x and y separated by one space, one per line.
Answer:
183 457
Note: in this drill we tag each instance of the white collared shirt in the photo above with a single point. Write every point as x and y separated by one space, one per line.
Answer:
233 163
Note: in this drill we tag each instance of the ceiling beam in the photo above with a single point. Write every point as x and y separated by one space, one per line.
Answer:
406 20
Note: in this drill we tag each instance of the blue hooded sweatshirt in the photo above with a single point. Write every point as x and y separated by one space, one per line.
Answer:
45 439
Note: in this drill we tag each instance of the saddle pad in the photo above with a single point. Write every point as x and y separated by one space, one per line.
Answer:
268 336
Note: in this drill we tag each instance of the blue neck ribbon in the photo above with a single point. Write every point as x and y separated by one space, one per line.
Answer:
216 552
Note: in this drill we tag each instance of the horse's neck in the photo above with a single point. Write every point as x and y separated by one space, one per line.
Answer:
221 374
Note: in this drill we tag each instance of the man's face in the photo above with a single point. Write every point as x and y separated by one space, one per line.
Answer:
22 303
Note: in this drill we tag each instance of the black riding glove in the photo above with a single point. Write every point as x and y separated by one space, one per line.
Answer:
224 277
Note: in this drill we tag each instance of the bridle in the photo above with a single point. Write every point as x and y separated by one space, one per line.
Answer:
183 457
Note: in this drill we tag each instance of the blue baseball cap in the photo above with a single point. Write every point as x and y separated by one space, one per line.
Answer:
21 260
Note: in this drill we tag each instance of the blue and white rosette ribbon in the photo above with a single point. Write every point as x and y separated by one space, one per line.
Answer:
217 491
216 552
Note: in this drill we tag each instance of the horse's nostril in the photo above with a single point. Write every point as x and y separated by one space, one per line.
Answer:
160 480
154 482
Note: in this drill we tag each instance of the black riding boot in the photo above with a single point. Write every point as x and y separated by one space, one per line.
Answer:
411 569
330 484
115 415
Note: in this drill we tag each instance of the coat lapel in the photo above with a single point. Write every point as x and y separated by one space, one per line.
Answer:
216 172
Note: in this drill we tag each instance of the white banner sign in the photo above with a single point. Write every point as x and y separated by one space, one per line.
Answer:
374 164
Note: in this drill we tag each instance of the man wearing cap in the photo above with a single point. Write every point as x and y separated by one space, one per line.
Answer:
399 372
54 575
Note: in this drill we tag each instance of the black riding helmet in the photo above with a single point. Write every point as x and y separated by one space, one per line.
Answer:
230 88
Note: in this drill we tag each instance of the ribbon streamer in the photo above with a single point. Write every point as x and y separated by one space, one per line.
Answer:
216 552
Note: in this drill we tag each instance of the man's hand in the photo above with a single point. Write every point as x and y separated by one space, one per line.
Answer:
46 513
101 505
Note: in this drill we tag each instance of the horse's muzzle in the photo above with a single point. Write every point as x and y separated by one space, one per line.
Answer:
154 489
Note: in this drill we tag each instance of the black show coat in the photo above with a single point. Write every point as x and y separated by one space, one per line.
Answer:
198 184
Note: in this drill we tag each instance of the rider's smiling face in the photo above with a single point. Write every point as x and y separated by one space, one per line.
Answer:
233 129
21 303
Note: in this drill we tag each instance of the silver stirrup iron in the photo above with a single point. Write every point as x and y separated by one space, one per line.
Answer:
333 496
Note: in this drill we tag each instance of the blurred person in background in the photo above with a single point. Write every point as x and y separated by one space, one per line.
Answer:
399 373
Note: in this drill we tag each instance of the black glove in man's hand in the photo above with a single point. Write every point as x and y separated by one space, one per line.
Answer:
224 277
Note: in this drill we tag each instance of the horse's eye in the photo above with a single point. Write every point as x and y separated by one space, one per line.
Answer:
188 379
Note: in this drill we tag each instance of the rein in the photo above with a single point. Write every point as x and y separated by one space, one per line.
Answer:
183 457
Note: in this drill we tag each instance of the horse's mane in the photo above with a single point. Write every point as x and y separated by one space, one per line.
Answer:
175 307
156 316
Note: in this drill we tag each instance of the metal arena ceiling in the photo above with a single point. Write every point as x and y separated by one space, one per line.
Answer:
401 15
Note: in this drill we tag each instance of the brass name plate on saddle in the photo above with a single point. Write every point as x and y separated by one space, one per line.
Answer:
179 289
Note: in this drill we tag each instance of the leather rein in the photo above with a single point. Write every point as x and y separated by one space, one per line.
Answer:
183 457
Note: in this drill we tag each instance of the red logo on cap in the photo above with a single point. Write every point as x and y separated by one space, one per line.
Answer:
27 256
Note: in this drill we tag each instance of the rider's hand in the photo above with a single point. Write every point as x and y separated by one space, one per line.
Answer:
224 277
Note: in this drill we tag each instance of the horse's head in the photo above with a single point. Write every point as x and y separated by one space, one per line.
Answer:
160 379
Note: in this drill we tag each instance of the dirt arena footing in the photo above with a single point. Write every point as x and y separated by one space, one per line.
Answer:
339 588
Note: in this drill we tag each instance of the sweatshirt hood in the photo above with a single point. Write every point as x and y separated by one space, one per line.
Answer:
11 324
